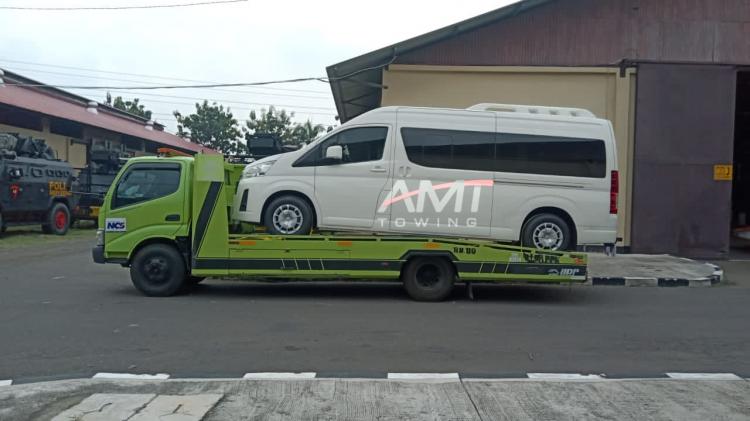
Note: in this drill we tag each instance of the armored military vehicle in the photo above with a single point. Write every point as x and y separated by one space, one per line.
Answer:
35 186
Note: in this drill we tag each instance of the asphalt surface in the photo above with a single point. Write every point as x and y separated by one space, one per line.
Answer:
62 316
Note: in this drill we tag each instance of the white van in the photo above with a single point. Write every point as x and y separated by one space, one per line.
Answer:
541 176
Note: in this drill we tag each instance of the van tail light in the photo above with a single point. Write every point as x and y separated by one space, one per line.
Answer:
614 190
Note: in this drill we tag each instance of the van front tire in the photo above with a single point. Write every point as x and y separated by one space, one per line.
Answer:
547 231
158 270
288 215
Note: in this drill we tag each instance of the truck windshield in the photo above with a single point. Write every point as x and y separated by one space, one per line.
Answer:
142 183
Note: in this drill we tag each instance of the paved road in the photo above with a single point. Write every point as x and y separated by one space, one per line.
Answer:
61 316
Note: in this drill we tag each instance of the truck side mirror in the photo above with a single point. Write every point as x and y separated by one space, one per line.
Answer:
335 152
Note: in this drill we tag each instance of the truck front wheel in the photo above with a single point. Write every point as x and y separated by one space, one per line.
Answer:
158 270
58 220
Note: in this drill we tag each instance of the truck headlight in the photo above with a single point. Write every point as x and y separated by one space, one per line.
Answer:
257 169
99 237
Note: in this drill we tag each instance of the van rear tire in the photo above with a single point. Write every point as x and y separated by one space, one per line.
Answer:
288 215
547 231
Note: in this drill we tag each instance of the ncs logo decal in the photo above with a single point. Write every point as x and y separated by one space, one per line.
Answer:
115 225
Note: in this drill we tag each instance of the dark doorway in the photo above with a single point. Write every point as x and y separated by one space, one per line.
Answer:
684 127
741 185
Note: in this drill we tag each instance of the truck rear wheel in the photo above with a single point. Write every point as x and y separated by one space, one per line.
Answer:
158 270
428 278
58 220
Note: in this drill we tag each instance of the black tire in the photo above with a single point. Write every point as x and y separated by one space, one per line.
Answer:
283 210
58 219
428 278
3 227
158 270
548 228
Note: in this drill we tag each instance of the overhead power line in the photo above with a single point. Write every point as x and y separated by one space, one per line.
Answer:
148 6
149 76
253 92
221 101
196 86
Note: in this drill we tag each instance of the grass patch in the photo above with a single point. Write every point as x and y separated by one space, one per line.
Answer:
32 235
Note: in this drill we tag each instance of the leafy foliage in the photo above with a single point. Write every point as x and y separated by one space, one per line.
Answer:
269 122
211 126
132 107
279 123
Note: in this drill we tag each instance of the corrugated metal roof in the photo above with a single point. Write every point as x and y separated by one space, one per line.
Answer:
56 104
356 83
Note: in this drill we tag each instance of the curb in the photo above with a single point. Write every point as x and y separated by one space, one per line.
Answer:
716 277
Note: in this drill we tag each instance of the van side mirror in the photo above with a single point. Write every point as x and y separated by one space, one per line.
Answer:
335 152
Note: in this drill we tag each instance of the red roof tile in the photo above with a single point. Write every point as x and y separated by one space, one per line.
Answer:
34 100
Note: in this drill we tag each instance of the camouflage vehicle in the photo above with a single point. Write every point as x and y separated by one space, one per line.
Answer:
35 186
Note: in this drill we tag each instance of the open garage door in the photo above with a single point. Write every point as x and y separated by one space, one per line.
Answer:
684 127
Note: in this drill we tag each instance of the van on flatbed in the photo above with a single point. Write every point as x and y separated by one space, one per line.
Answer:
168 220
545 177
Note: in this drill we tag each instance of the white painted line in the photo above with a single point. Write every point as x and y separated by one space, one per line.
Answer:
423 376
177 407
129 376
563 376
6 382
279 376
704 376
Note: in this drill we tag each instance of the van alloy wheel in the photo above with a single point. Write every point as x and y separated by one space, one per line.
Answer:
548 236
288 218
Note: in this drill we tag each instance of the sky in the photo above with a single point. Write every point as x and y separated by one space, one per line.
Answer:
239 42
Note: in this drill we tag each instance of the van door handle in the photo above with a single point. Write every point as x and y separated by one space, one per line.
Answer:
377 168
400 172
408 172
172 218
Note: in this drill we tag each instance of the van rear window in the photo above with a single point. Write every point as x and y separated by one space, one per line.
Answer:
506 152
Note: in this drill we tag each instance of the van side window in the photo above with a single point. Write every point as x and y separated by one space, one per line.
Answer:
457 149
146 182
360 144
550 155
505 152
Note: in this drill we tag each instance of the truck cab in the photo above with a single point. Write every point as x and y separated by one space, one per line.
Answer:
149 201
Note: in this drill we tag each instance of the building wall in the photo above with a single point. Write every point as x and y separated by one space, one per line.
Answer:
599 32
600 90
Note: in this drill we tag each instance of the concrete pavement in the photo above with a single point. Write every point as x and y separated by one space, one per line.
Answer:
367 399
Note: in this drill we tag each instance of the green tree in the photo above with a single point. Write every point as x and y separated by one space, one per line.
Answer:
307 131
132 107
270 122
211 126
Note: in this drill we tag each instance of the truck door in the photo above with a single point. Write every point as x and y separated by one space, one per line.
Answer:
147 201
443 181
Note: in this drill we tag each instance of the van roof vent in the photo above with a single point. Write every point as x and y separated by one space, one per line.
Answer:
532 109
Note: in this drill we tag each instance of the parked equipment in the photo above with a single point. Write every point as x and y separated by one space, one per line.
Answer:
167 219
94 181
35 187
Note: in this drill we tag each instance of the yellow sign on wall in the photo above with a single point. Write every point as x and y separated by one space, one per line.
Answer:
723 172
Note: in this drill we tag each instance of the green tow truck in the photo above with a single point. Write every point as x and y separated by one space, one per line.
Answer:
168 220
